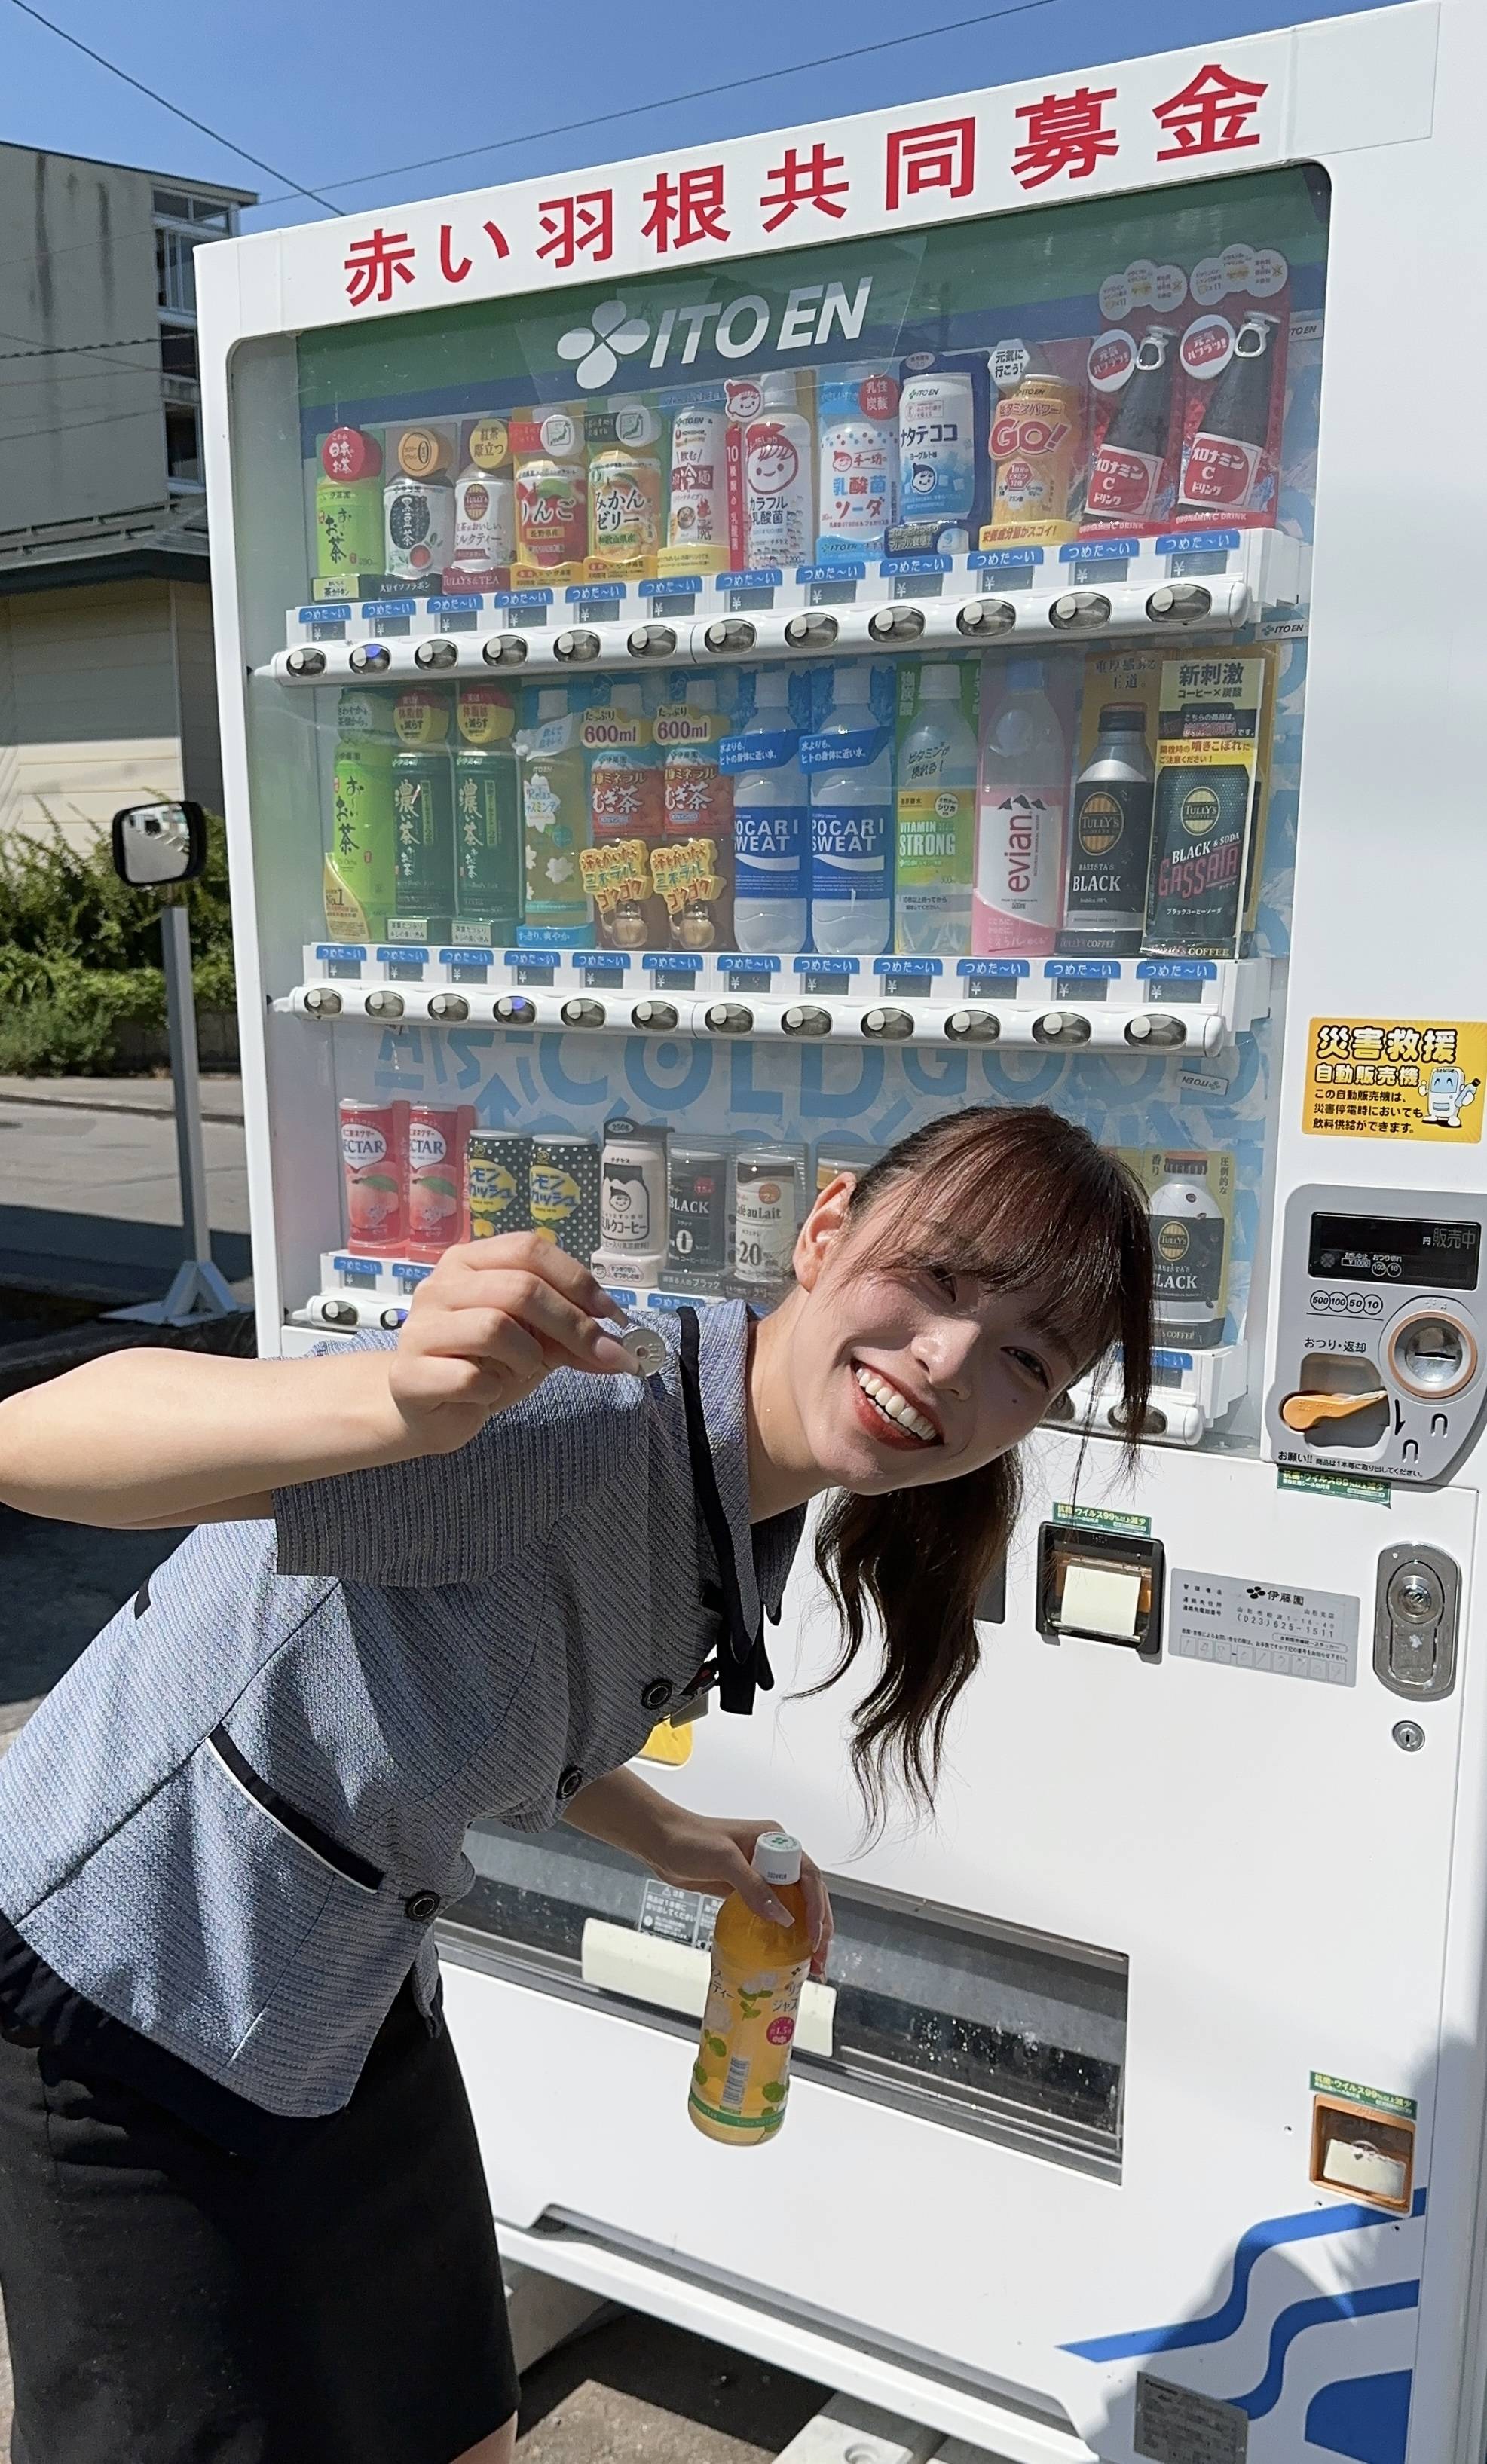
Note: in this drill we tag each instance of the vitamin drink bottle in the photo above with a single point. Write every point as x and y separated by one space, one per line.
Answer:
778 479
937 450
348 506
1129 464
487 812
1034 443
936 822
1021 806
740 2077
1224 459
423 805
360 869
1110 840
485 510
436 1178
374 1143
771 817
697 525
859 462
699 802
851 769
554 815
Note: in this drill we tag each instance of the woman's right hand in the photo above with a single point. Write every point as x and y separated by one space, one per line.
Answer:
487 1326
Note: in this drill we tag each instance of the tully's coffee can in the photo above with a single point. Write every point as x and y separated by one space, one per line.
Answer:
565 1192
766 1216
497 1183
696 1209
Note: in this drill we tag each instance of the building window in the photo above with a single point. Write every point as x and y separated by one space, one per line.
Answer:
175 272
178 351
182 446
212 213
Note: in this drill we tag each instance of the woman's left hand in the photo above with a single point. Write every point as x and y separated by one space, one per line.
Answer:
701 1851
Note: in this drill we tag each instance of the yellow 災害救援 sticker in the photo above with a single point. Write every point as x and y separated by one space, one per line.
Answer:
1395 1078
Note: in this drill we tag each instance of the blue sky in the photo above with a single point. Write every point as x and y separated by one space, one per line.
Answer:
346 93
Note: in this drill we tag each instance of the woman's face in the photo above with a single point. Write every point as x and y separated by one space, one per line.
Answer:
905 1377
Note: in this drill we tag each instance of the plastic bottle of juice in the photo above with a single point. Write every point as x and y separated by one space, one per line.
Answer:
740 2077
937 820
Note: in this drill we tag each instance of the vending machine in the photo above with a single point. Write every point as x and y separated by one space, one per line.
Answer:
724 658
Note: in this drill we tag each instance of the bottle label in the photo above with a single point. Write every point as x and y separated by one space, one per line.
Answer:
1111 845
764 749
740 2077
1124 483
625 1201
936 829
763 1221
851 850
696 1240
769 850
937 462
1199 835
843 748
1189 1265
1019 870
1220 470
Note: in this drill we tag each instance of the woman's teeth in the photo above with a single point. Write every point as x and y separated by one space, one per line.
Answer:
893 1406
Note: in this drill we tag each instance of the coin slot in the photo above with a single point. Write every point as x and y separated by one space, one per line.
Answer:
1362 2155
1433 1355
1101 1586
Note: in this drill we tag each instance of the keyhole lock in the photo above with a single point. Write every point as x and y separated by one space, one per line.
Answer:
1416 1603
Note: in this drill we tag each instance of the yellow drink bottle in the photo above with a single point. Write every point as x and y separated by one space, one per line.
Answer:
740 2077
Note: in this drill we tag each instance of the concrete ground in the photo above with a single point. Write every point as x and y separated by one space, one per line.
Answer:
88 1202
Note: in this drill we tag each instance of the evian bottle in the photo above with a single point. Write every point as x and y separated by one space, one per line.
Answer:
1022 799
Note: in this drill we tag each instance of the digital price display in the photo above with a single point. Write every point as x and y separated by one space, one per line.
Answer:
1392 1249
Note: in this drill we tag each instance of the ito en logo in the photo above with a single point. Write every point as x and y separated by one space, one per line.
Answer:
1201 810
599 348
1101 821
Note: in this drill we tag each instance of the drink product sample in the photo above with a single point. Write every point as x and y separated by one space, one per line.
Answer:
554 815
487 812
373 1142
625 519
565 1192
778 479
1128 471
1190 1199
436 1178
1022 805
1224 459
1110 840
423 805
1206 749
770 822
696 523
498 1183
938 462
766 1216
1036 440
851 769
348 506
859 492
484 510
693 867
632 1202
552 493
937 819
834 1157
418 507
740 2077
359 878
627 809
697 1211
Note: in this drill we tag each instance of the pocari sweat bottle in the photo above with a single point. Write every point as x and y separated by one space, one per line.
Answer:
771 817
850 764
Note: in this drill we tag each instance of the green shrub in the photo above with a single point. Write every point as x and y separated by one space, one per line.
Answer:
79 952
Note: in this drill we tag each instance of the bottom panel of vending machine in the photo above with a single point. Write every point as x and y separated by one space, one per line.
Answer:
1112 2136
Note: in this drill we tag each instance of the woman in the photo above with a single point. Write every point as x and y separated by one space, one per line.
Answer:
241 2208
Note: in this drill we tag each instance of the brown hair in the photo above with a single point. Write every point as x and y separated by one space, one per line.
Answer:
1025 1201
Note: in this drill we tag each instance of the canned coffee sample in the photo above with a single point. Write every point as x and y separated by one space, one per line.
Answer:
697 1211
766 1216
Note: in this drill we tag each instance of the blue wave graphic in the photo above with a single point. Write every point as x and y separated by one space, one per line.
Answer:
1312 2224
1372 2300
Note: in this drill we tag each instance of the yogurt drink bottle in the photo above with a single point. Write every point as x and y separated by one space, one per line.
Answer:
851 767
779 477
937 453
858 463
771 822
935 820
1022 802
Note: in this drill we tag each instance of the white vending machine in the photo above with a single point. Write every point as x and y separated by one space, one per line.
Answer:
724 658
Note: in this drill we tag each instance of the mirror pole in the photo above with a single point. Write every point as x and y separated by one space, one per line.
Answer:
175 934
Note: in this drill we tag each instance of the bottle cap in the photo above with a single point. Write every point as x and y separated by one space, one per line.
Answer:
490 444
776 1857
938 680
552 702
422 452
421 716
350 454
777 390
1122 719
1025 675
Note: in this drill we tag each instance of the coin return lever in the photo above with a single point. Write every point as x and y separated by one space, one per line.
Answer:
1102 1586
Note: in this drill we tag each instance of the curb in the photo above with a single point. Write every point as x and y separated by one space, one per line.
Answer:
117 1104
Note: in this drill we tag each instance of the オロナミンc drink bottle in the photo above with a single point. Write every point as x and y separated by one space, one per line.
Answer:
740 2077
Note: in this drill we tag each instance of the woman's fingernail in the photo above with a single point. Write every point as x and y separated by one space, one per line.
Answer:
778 1914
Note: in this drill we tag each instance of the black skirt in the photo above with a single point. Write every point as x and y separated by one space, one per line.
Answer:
170 2302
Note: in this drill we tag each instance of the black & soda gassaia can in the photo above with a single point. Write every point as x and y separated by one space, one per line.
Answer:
1200 823
497 1183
